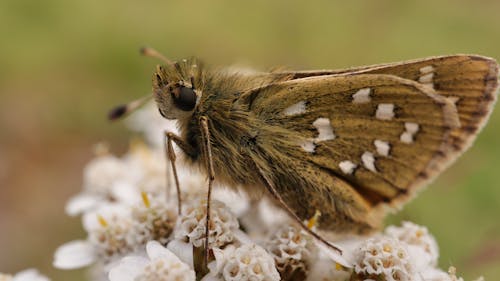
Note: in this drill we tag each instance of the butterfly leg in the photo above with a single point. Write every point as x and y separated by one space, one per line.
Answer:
274 193
170 154
207 150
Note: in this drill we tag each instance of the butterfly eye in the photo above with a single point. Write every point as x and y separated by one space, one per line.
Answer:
184 98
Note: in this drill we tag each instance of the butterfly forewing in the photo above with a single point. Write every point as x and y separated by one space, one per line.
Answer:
468 80
379 144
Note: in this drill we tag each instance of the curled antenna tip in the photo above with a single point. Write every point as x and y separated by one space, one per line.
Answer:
117 112
143 50
124 109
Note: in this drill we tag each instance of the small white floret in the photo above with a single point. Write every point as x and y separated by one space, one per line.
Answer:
385 111
247 262
191 224
293 250
369 161
295 109
325 129
382 147
418 236
384 258
161 264
362 96
347 167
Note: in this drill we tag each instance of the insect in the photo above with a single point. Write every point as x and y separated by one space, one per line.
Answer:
352 143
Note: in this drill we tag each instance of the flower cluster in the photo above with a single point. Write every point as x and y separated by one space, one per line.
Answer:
134 230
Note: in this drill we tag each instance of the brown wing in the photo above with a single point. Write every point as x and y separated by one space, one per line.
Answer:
470 81
348 144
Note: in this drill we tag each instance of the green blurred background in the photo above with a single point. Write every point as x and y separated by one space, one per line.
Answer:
63 64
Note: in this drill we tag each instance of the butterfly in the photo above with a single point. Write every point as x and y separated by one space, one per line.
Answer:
353 144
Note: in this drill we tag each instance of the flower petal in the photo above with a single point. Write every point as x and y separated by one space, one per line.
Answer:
421 259
126 192
90 220
30 275
128 268
74 254
242 237
184 251
81 203
334 255
156 250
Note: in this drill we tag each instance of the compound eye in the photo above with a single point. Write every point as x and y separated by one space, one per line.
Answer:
184 98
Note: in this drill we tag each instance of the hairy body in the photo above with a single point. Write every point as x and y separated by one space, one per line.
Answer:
322 138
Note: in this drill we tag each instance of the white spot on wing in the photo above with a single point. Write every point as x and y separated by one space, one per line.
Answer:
325 132
385 111
427 76
295 109
382 147
308 146
427 69
347 167
369 161
362 96
426 79
406 137
411 129
325 129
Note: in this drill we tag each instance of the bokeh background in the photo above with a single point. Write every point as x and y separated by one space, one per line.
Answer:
63 64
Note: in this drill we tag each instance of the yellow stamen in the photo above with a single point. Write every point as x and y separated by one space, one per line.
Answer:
338 266
145 199
312 222
102 221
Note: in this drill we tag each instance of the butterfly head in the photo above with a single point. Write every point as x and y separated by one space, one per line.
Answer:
174 89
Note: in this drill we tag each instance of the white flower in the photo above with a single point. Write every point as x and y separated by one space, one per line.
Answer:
106 179
108 231
237 202
115 230
74 254
154 219
25 275
293 251
161 265
416 235
385 258
150 167
191 225
248 262
326 269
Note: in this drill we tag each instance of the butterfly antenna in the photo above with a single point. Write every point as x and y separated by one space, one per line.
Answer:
150 52
122 110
